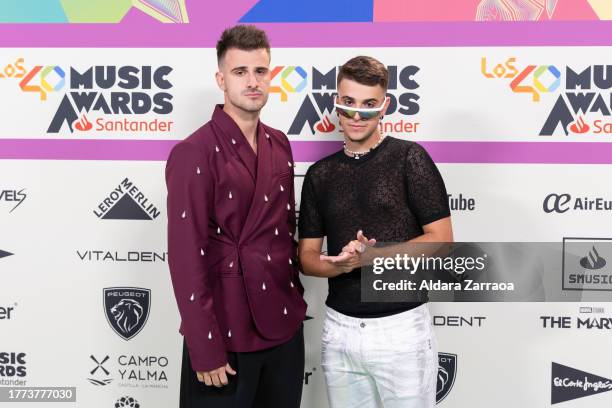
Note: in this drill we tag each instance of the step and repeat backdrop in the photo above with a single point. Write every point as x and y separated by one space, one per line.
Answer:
516 114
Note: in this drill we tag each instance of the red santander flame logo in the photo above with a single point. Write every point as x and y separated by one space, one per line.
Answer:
579 126
325 125
82 124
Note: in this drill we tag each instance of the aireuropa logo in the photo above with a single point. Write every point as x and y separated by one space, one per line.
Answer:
563 202
126 202
316 110
447 372
99 374
127 309
584 264
101 98
568 384
13 197
580 107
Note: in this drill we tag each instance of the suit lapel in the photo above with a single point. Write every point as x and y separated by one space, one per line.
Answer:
239 144
262 197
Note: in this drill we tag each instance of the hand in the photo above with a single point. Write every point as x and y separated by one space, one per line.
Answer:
350 257
365 241
344 262
360 244
217 377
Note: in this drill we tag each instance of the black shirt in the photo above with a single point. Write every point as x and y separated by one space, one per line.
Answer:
389 193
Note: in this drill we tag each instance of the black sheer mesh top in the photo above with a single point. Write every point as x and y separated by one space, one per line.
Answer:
389 193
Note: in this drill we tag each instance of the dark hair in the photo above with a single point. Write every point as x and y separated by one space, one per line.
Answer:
364 70
243 37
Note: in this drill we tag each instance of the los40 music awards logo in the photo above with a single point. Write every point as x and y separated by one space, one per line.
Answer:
583 103
316 88
101 98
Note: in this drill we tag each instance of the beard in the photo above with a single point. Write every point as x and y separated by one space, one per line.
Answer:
248 105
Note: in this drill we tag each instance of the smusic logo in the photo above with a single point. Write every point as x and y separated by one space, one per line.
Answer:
593 260
590 269
126 202
127 310
447 372
568 384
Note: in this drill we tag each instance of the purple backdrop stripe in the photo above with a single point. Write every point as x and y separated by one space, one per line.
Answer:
310 151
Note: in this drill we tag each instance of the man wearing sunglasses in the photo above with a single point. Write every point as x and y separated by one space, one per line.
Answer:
376 353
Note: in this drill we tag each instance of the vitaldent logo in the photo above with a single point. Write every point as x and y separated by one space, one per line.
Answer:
580 107
100 98
458 321
100 255
316 110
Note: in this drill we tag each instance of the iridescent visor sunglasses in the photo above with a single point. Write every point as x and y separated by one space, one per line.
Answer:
364 113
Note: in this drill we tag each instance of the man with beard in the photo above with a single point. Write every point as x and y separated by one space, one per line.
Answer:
232 256
374 354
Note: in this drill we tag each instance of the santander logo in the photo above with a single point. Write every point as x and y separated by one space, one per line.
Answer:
325 125
82 124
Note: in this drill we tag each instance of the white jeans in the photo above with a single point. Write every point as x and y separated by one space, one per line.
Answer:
389 362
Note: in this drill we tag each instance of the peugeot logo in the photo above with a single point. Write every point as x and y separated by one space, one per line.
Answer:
556 202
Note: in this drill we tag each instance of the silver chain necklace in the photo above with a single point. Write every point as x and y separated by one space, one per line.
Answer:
359 155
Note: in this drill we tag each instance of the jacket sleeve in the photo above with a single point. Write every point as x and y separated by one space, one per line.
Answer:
190 199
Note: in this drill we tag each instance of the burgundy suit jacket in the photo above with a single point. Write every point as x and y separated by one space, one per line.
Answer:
232 255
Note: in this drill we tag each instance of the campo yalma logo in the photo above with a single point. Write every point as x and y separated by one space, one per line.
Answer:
99 370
